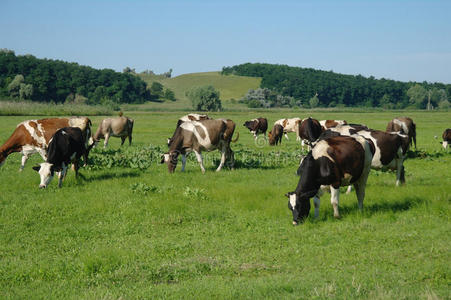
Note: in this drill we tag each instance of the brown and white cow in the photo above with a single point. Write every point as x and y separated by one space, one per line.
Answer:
198 136
33 136
404 125
275 135
326 124
446 138
333 162
192 117
257 126
289 125
390 148
118 127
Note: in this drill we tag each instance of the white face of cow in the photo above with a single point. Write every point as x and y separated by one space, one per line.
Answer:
46 173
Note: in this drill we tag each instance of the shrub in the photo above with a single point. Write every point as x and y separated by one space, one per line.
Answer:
205 98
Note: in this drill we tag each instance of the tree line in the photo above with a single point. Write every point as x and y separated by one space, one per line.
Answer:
287 86
46 80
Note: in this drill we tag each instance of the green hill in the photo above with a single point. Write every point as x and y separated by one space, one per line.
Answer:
229 86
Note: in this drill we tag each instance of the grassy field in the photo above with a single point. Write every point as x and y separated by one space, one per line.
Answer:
23 108
135 233
230 87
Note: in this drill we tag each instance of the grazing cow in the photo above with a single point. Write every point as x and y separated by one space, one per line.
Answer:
404 125
390 148
335 161
33 136
67 145
446 138
309 131
326 124
198 136
118 127
257 126
192 117
289 125
275 135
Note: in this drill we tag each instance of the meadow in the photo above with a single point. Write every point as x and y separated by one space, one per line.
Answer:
128 229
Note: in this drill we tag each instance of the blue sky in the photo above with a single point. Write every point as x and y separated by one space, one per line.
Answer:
401 40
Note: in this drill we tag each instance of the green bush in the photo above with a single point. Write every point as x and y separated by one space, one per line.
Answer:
204 98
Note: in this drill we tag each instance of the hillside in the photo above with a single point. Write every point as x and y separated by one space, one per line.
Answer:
230 86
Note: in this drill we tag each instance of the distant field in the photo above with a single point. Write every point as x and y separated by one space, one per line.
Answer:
230 87
137 233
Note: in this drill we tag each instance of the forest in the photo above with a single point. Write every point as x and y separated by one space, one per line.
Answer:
29 78
306 87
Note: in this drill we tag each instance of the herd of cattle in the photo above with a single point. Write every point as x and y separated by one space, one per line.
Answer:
341 154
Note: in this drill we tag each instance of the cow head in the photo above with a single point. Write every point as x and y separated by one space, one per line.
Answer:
46 172
249 125
299 206
171 159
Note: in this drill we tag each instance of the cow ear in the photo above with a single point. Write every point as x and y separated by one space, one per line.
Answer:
37 168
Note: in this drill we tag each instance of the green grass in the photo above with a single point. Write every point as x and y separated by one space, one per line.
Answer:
133 233
24 108
230 87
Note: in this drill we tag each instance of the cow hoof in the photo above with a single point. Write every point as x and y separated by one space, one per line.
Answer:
338 217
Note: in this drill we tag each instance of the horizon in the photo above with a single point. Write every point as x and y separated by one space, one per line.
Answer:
402 41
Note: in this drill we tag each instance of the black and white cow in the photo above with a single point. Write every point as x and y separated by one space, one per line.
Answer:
198 136
404 125
390 148
333 162
257 126
446 138
67 145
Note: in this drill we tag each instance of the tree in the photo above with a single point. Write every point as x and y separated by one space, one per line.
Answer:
14 86
417 96
169 94
25 91
314 101
204 98
156 89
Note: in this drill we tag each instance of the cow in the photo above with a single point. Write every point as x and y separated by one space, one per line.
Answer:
404 125
289 125
198 136
309 131
333 162
390 148
257 126
326 124
275 135
446 138
118 127
33 136
67 145
192 117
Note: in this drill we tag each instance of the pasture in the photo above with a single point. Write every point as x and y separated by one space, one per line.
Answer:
140 232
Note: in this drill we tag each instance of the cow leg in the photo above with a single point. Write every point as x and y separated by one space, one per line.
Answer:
24 160
76 165
349 189
316 202
107 137
62 175
223 159
400 179
183 162
130 140
286 135
123 139
334 197
200 160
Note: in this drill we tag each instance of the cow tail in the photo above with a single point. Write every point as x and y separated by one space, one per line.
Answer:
237 137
